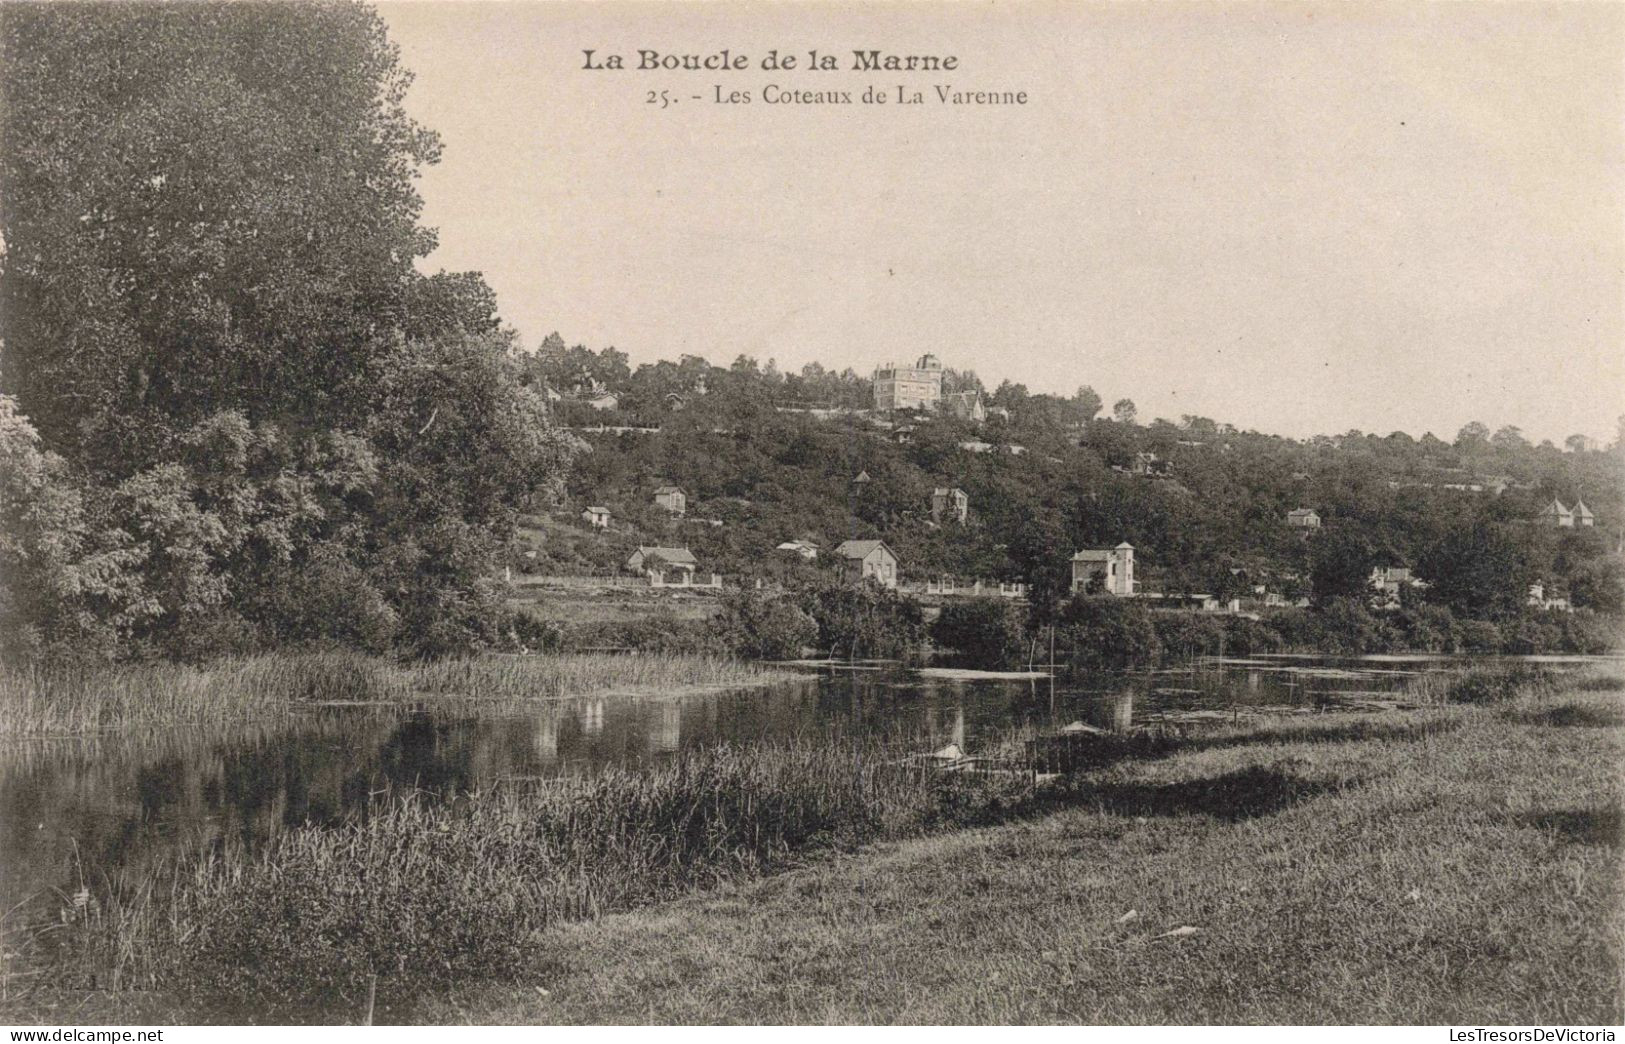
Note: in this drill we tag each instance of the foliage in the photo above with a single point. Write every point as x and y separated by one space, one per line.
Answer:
864 620
1187 635
988 632
1106 632
763 628
250 421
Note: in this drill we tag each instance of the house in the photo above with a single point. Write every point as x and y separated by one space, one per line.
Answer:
597 517
966 405
650 560
1303 518
1105 572
1582 515
998 411
673 499
917 387
1555 514
604 401
1539 599
953 503
867 560
1387 582
1148 463
805 548
976 446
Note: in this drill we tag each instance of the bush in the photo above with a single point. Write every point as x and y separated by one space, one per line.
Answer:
762 628
1428 628
1107 633
865 620
1187 635
1245 636
1299 629
1590 633
1479 636
988 632
1532 634
1348 627
664 632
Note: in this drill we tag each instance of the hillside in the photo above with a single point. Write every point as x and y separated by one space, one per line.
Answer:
774 458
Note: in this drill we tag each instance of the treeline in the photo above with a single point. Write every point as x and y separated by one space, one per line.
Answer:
860 622
1205 505
234 415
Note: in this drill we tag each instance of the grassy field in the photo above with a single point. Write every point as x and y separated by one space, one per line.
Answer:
1456 866
1460 864
74 700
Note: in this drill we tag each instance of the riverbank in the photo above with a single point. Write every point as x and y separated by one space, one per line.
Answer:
1453 866
70 700
1457 863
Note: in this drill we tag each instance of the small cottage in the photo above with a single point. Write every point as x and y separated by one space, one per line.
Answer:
1108 572
650 560
867 560
672 499
1303 518
804 548
950 503
597 517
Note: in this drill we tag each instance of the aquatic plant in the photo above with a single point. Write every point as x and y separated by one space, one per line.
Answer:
64 699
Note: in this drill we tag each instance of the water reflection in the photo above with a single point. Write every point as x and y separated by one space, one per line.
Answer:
125 801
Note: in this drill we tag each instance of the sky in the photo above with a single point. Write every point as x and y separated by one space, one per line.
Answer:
1298 218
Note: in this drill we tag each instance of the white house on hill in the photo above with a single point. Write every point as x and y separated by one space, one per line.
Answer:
1108 572
867 560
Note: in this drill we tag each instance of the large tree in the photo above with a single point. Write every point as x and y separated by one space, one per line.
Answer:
233 375
205 206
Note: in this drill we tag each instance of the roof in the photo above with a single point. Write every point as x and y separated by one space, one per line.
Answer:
945 491
595 508
670 555
663 490
1556 505
1301 511
862 548
1581 509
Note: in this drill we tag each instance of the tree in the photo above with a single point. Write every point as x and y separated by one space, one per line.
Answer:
239 223
1472 435
1086 403
1478 569
278 430
1340 565
1509 438
1109 633
1124 412
989 632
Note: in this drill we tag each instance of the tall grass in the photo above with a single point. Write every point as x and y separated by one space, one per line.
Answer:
50 700
416 891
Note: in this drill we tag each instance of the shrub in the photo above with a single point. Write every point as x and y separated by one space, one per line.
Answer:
1347 626
1298 628
1245 636
1532 634
1428 628
762 628
987 631
865 620
1187 635
1479 636
1108 633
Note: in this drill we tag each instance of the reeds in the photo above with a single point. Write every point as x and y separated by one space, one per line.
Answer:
416 891
69 700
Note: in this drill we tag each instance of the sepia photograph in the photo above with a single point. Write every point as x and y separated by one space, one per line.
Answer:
916 513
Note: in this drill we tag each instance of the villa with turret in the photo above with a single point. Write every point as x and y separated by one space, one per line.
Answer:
917 387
